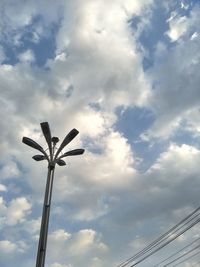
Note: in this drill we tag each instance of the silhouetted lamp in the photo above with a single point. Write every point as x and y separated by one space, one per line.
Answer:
53 158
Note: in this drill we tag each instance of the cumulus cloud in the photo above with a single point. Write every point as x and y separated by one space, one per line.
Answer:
84 240
15 211
60 235
27 56
7 246
9 170
114 172
65 247
101 41
17 17
174 177
97 70
178 26
32 226
3 188
174 76
166 193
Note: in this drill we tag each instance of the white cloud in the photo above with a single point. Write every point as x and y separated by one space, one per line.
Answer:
97 69
27 56
15 211
7 247
101 43
93 123
176 79
194 36
32 226
60 235
22 246
9 170
3 188
75 246
177 27
17 17
166 193
114 172
85 240
174 177
116 161
184 5
183 158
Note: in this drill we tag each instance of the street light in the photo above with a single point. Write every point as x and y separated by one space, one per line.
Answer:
53 158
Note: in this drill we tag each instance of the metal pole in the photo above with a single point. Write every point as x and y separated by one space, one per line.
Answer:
45 218
52 160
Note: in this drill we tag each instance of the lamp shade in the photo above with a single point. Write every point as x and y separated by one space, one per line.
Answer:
39 157
74 152
68 138
60 162
28 141
47 134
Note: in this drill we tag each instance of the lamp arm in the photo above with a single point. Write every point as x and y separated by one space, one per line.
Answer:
46 156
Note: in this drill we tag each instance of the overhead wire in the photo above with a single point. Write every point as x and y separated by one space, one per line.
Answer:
163 237
183 255
173 232
177 252
166 243
188 258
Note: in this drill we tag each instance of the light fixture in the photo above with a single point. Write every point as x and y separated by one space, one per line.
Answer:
52 159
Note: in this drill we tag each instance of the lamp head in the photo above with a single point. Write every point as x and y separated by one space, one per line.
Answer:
28 141
39 157
60 162
68 138
74 152
55 140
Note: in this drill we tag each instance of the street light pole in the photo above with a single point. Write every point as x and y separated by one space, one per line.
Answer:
45 219
53 158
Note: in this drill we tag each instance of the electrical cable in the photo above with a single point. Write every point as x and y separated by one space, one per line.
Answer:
160 239
172 233
190 257
183 255
174 254
166 243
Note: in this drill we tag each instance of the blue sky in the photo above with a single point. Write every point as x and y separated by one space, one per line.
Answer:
126 75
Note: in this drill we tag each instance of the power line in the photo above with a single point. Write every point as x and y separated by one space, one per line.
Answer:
158 240
161 238
183 255
166 243
174 254
173 232
188 258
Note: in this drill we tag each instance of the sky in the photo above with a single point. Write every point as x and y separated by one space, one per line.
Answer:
125 73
